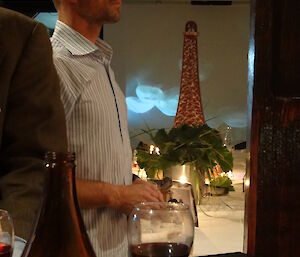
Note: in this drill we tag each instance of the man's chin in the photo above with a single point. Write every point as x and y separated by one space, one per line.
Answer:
111 21
115 17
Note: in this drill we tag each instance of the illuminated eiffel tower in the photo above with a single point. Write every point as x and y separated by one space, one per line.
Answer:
189 109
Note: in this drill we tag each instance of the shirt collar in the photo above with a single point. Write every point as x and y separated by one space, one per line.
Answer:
77 44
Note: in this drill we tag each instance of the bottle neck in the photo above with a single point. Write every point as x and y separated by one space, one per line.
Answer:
59 158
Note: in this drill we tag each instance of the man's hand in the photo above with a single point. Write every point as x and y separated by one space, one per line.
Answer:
97 194
139 191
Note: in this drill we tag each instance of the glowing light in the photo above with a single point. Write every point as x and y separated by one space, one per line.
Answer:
148 96
157 151
151 149
247 182
143 174
148 93
134 217
229 174
136 105
168 106
183 179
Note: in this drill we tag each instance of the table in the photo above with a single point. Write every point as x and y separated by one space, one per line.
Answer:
221 224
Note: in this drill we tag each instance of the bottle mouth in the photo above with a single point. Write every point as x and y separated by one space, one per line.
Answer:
62 156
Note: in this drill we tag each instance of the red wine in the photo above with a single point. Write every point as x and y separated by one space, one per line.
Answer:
59 231
160 250
5 250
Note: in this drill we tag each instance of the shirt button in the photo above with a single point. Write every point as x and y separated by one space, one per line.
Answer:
100 59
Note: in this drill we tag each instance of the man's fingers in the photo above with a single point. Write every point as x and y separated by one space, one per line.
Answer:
153 189
151 198
155 192
154 186
159 194
161 197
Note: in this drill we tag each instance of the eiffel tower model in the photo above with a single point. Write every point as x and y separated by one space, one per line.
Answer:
189 109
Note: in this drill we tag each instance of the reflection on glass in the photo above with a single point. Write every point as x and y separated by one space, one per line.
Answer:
6 234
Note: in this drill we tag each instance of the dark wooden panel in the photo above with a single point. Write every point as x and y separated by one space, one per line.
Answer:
272 200
286 50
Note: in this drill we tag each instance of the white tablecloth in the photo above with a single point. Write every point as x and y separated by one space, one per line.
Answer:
221 232
216 235
213 236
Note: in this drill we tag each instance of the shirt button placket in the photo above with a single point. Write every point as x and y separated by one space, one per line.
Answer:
100 59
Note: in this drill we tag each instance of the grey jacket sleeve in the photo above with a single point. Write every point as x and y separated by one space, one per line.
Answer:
34 123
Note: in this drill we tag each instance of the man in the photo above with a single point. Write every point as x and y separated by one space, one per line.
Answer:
96 117
31 116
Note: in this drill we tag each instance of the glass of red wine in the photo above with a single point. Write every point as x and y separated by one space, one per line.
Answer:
160 230
6 234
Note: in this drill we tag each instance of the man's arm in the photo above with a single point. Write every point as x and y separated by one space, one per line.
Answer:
97 194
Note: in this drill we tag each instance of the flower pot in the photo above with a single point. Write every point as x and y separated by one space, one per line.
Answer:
188 174
216 191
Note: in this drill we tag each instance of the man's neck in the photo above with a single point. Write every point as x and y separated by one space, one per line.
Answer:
90 31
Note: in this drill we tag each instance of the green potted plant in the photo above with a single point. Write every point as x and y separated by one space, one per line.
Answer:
220 185
198 146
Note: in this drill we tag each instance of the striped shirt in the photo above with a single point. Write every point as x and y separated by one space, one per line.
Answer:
97 129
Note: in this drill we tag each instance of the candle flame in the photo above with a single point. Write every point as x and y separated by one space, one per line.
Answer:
183 179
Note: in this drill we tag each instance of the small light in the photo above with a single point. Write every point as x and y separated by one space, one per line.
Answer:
134 217
247 182
229 174
182 179
151 149
157 150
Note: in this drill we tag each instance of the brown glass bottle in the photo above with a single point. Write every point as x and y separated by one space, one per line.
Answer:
59 231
